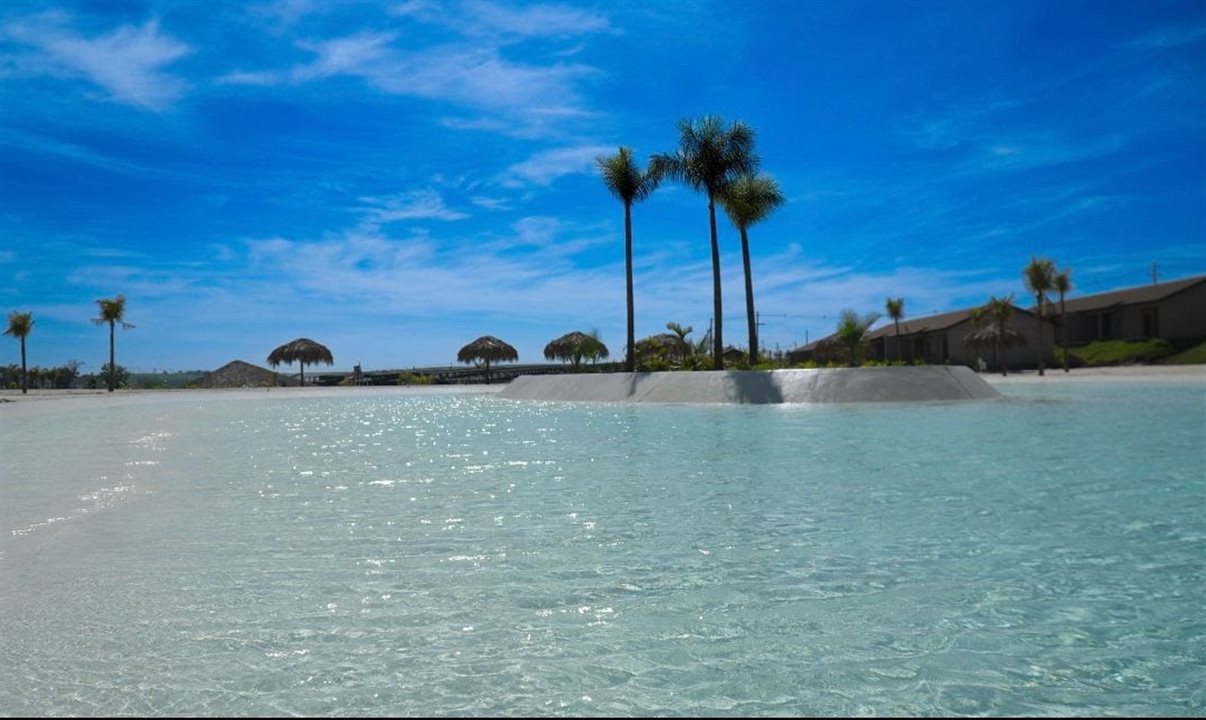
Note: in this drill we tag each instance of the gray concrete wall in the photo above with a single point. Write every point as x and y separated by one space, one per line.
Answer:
827 385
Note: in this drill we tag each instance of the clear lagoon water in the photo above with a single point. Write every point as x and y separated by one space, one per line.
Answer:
460 554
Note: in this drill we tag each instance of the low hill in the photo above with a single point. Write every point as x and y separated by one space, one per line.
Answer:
239 374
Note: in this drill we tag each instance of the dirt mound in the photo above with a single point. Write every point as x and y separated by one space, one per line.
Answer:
239 374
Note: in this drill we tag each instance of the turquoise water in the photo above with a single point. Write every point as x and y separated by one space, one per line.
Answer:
1044 554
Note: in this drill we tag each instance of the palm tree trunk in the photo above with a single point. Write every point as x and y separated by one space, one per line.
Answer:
302 365
717 331
898 354
1040 338
112 366
751 318
630 358
1063 329
996 357
487 371
24 372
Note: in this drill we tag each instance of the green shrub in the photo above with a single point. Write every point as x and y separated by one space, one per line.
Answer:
413 378
1118 352
1195 355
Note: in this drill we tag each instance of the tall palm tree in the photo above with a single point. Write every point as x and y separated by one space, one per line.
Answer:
629 184
112 312
852 332
895 308
710 155
1039 275
747 200
19 325
1063 283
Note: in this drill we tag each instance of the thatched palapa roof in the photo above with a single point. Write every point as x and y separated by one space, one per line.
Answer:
574 346
489 349
662 343
303 350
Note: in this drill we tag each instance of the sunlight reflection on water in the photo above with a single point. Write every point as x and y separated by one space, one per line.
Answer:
469 555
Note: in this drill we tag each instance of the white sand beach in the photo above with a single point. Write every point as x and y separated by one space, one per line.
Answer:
1123 373
38 402
91 398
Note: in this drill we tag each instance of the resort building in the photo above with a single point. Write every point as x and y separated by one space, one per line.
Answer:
938 340
942 340
1173 310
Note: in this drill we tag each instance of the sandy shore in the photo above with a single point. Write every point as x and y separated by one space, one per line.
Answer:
1126 373
12 402
40 402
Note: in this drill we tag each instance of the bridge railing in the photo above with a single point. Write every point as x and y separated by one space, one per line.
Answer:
454 374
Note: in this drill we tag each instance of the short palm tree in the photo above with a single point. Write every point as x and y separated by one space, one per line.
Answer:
895 308
710 155
747 200
112 313
1063 283
852 332
686 347
1039 275
992 329
629 184
19 326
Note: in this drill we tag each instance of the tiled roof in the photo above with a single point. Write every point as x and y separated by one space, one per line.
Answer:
930 323
1127 296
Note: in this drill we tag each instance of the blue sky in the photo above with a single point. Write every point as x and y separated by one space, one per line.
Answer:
395 179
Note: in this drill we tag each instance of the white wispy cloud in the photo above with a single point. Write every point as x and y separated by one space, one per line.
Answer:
129 63
546 166
1037 150
492 203
285 13
522 98
1172 36
413 205
525 21
958 123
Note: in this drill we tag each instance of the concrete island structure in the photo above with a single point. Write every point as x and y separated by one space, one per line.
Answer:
822 385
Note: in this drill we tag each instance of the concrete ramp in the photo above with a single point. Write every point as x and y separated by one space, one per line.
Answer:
829 385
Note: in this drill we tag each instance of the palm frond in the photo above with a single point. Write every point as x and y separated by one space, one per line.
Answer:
1063 281
749 199
627 182
709 155
895 308
112 311
1039 275
19 324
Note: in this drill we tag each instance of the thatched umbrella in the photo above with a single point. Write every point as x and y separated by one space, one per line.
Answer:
574 346
303 350
662 344
487 348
